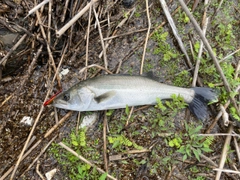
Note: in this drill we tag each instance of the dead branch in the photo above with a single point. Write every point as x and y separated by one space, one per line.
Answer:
146 40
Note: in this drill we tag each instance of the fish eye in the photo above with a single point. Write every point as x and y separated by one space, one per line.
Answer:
66 97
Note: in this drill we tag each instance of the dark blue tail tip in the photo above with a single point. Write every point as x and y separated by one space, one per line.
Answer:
202 97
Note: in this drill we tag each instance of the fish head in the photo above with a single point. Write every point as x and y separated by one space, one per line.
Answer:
76 99
66 100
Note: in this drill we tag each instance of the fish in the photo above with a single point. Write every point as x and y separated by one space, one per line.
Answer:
117 91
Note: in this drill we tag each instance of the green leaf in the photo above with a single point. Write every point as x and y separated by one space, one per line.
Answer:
86 167
206 149
188 150
182 150
110 139
195 130
80 170
197 153
103 176
75 143
127 110
124 162
116 144
171 143
211 85
143 161
184 157
197 46
110 112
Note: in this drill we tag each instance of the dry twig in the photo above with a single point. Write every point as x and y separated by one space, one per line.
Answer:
40 154
175 31
129 116
48 48
75 18
38 172
226 171
94 65
85 160
204 29
206 158
5 58
37 7
224 153
237 148
105 123
125 34
101 39
65 10
115 32
87 38
147 36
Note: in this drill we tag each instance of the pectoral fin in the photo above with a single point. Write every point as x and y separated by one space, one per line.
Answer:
105 96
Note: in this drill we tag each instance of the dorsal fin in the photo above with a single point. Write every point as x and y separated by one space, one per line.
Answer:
150 75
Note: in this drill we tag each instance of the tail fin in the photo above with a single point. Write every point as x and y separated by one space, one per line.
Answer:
202 97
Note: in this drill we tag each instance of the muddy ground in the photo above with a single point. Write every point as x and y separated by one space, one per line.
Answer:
27 80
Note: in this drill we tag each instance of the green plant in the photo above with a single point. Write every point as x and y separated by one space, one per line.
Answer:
175 142
182 79
137 14
182 17
120 140
199 178
72 166
191 143
163 47
78 140
148 66
175 104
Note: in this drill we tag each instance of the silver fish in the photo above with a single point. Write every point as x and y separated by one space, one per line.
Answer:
117 91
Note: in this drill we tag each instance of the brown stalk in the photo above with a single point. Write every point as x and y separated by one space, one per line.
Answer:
224 153
101 39
105 142
40 154
85 160
75 18
204 29
146 39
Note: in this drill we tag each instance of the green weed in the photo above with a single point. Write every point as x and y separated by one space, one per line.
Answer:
73 167
191 143
120 140
163 46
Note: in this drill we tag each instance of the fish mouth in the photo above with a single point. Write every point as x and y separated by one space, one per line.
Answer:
50 101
